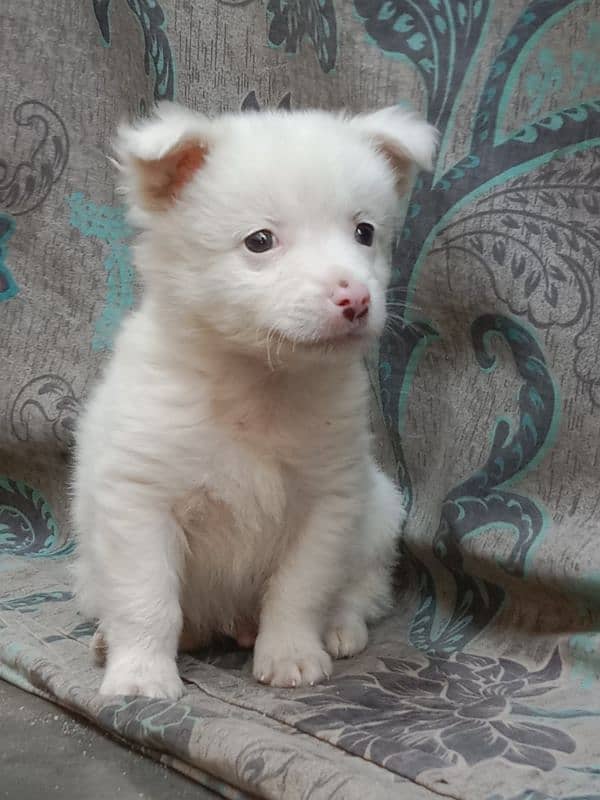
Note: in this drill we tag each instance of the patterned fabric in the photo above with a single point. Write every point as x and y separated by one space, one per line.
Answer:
484 683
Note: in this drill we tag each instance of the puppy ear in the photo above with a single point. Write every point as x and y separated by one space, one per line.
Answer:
158 156
404 138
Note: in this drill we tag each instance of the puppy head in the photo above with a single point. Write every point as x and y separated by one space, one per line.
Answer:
274 226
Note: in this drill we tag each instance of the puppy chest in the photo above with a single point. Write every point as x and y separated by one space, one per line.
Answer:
232 546
276 412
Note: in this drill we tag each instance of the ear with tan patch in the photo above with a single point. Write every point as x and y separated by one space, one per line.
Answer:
404 138
160 155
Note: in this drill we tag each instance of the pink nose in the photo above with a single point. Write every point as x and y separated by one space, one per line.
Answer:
353 298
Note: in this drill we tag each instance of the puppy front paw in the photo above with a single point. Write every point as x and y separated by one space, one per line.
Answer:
346 637
142 674
286 663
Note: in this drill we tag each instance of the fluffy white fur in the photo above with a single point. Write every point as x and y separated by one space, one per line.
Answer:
224 481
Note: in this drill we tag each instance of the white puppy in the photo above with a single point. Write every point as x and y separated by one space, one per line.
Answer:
224 480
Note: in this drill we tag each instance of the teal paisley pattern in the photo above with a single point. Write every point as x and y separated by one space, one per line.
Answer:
432 36
539 262
540 247
157 50
31 603
483 501
8 285
38 144
27 525
504 243
292 20
108 225
40 148
250 102
48 402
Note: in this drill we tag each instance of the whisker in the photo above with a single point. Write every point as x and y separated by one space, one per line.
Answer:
399 325
279 344
405 306
396 289
270 333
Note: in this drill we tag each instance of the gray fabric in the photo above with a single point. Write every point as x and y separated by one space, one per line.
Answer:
484 683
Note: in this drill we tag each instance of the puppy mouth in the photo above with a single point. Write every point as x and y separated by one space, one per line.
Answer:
352 338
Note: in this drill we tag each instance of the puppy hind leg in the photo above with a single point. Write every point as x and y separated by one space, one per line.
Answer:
368 598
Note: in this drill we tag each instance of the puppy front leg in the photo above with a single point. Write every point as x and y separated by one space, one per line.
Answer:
140 560
289 648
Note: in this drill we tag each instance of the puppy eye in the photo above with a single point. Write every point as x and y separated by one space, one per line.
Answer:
259 241
364 233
